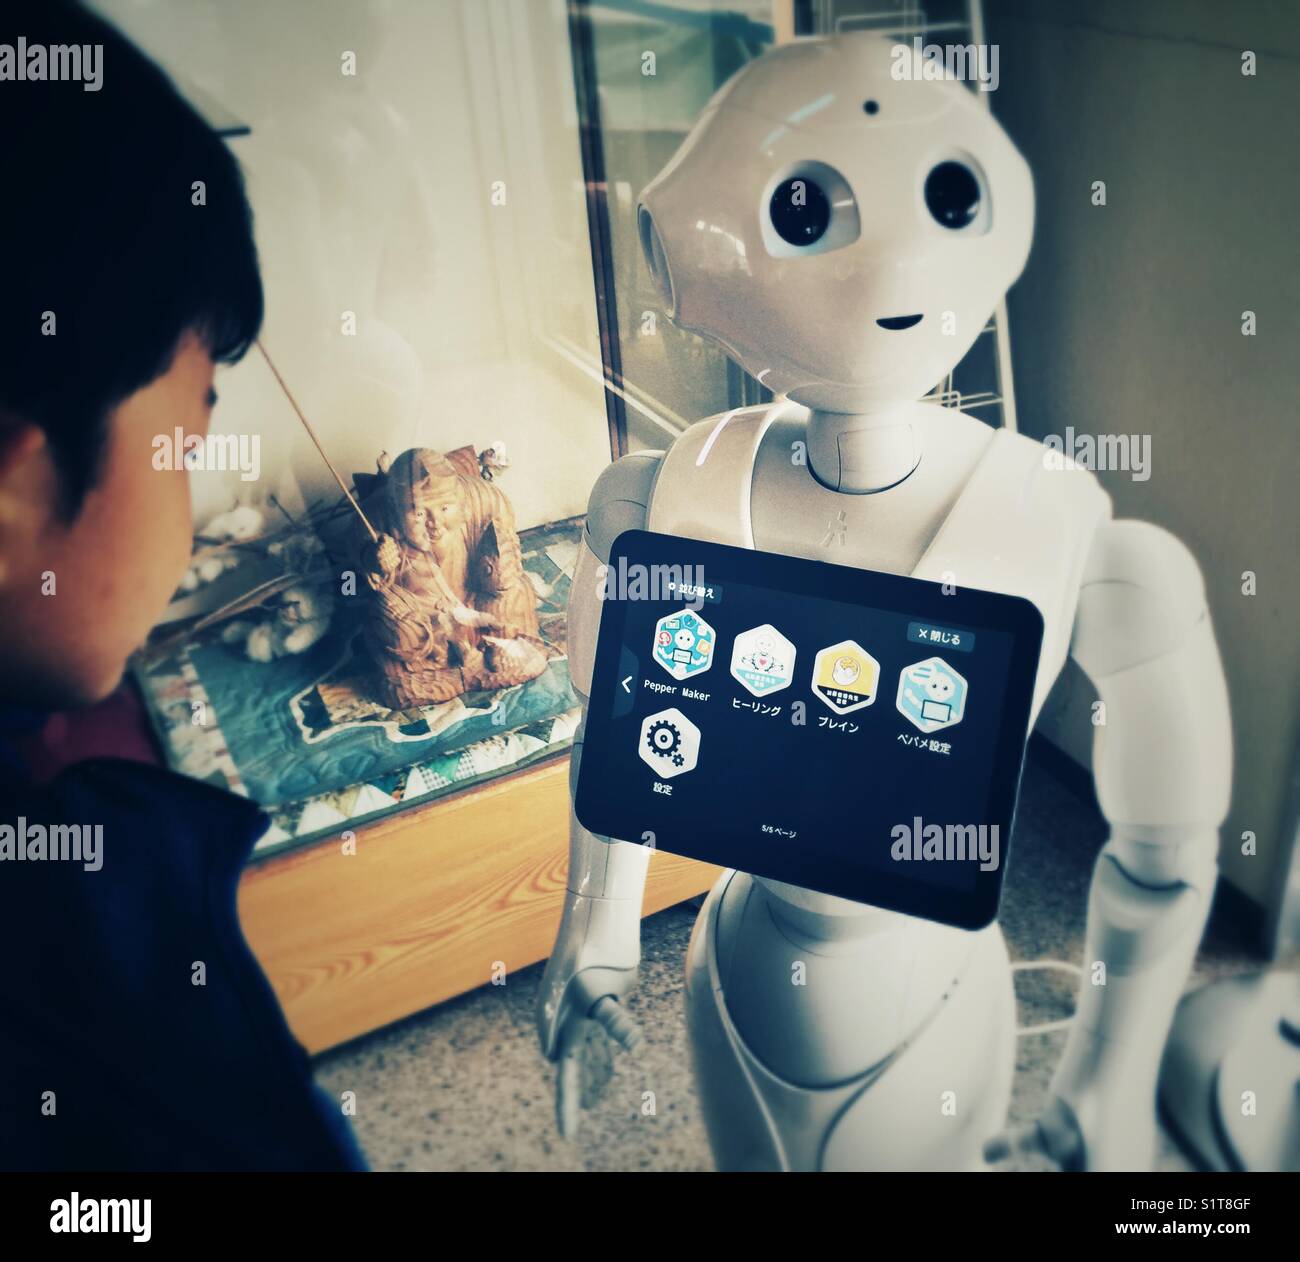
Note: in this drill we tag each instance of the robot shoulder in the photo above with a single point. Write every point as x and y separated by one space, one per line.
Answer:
620 499
1052 456
1069 484
1029 479
720 433
704 487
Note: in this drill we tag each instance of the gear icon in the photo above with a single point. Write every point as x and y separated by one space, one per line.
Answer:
669 743
665 739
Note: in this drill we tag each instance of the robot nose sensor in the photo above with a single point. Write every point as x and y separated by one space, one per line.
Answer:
899 322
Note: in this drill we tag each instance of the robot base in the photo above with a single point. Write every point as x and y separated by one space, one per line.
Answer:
945 1051
1237 1038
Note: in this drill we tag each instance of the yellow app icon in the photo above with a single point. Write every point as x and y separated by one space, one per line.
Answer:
845 676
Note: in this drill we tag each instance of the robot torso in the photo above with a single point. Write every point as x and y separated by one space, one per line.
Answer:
984 508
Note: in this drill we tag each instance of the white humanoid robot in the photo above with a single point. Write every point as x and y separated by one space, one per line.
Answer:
845 236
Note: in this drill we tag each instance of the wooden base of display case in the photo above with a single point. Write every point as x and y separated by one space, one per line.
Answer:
423 905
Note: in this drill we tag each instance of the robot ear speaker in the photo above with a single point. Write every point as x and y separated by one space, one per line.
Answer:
655 258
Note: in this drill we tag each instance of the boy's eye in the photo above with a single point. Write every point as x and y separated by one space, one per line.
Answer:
212 397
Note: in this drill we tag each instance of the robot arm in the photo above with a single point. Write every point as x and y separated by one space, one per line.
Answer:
1163 764
593 965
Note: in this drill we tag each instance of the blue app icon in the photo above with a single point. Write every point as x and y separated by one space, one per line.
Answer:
684 644
931 695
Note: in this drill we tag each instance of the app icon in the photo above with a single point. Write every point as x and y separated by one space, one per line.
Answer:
684 644
762 659
845 677
931 694
670 743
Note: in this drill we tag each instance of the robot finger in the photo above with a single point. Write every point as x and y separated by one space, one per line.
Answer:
617 1022
568 1079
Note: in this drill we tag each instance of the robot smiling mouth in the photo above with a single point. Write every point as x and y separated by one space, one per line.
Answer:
899 322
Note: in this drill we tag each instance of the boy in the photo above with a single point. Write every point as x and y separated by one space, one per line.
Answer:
136 1029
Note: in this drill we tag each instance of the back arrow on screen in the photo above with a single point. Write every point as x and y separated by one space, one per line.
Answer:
627 681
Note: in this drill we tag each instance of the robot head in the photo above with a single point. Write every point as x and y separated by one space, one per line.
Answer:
843 234
939 687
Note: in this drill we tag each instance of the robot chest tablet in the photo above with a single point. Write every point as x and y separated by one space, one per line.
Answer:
795 720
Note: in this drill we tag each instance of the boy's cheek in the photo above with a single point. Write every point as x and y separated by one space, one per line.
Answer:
157 536
136 534
90 590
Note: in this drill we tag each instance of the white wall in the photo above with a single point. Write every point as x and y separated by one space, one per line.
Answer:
372 194
1128 320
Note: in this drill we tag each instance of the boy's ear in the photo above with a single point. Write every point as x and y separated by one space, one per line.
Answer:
20 443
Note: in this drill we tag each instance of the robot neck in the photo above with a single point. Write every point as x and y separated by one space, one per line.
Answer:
861 453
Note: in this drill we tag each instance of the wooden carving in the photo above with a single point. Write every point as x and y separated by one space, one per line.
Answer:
451 609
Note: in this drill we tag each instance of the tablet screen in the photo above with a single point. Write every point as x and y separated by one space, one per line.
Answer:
844 730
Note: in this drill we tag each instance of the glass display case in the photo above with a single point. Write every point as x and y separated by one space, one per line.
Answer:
416 178
644 73
446 212
416 172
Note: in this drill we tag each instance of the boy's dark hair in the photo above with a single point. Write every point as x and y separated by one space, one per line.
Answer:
99 226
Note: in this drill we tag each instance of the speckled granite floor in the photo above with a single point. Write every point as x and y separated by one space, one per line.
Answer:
463 1086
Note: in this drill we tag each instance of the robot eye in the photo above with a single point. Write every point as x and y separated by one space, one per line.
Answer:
800 211
952 194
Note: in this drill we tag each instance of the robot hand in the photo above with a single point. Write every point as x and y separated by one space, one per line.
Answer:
567 1014
1053 1138
593 967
